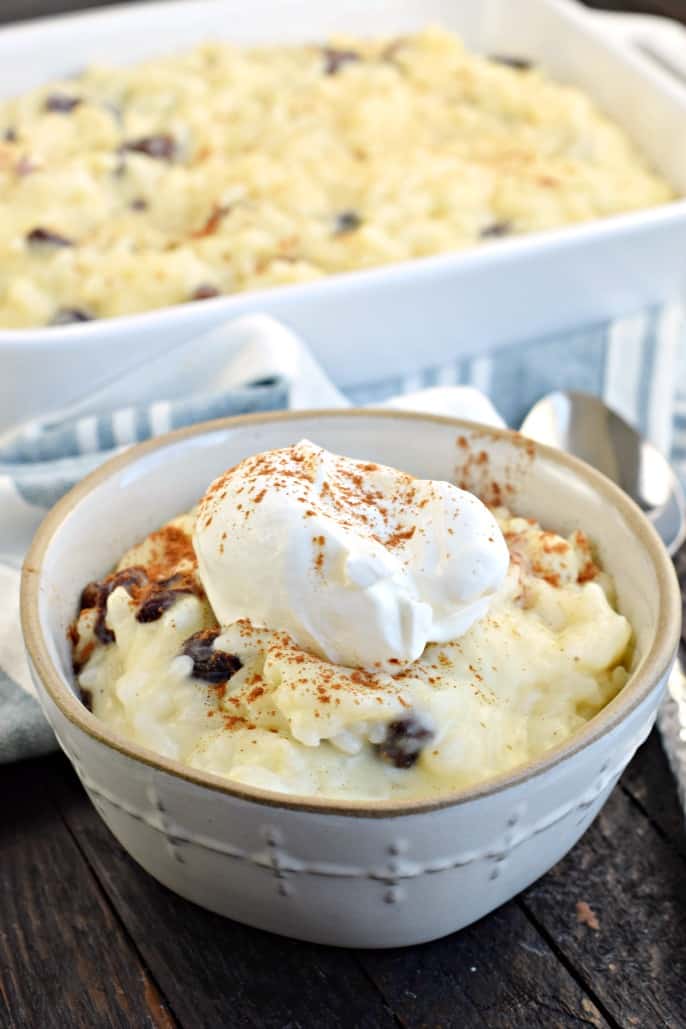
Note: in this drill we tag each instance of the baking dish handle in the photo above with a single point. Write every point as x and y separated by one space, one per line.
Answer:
661 40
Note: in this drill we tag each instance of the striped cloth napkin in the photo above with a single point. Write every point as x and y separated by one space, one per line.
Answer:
638 364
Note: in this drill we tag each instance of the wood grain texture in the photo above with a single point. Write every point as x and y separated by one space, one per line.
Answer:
67 959
496 974
213 971
64 959
499 973
668 8
634 881
649 782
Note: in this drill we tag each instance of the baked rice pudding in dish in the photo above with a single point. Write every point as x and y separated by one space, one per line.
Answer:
227 169
330 627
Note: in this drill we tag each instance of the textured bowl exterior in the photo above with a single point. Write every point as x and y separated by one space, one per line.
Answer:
366 882
350 874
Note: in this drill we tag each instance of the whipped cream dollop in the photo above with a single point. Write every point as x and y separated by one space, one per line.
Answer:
360 563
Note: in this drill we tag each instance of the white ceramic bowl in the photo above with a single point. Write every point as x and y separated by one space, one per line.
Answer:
334 872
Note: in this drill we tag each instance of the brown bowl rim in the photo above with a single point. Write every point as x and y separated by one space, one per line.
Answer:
651 670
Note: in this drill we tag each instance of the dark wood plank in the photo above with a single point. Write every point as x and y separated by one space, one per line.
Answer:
648 780
635 884
650 783
668 8
15 10
22 10
497 974
64 959
215 972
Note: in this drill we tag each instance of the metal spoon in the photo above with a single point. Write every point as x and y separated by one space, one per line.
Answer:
584 426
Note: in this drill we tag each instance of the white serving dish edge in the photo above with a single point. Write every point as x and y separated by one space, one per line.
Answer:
404 317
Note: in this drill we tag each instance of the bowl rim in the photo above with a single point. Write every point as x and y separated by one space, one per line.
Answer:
651 670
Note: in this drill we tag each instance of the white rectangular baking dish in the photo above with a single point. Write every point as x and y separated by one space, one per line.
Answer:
420 313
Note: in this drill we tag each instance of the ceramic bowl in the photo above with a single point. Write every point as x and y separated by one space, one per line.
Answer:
347 873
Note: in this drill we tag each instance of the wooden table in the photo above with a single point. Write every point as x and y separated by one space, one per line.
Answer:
88 939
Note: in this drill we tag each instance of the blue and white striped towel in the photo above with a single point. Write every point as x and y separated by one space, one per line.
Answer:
637 364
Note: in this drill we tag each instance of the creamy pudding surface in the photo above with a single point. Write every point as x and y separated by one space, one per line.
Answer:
224 169
330 627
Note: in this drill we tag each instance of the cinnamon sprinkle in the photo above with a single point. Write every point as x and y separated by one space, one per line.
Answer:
232 722
170 547
553 545
400 537
589 571
212 224
347 495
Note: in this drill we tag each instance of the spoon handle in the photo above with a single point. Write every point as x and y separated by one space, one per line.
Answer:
671 720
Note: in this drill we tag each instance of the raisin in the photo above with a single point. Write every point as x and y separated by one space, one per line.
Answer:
205 292
61 103
127 577
95 594
180 581
10 135
161 595
40 237
154 606
210 665
335 59
102 632
347 221
404 741
495 230
89 596
518 63
160 148
70 315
